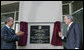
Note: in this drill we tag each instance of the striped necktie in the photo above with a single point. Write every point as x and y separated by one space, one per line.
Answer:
67 28
11 30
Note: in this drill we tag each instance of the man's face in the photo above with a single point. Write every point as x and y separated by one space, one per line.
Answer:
11 22
66 20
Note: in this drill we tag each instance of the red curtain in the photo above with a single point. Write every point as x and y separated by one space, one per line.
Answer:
23 39
56 40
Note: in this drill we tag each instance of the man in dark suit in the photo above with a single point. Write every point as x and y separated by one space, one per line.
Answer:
74 34
8 35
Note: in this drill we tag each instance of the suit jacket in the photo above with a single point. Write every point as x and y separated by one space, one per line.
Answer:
8 38
74 37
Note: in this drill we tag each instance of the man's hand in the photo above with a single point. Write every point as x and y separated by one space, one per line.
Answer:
20 33
60 34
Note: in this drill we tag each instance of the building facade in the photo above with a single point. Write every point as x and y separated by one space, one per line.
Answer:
41 13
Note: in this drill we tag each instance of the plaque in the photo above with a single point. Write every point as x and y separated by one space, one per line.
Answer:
40 34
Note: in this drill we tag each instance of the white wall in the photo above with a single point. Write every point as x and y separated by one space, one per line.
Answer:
40 11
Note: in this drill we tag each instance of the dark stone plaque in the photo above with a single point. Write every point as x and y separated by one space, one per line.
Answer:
40 34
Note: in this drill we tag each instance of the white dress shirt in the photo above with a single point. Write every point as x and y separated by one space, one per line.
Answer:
7 26
69 26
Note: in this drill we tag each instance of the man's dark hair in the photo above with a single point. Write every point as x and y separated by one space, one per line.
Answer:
7 19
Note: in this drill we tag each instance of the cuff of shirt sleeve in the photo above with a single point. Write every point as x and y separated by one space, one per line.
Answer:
76 48
62 37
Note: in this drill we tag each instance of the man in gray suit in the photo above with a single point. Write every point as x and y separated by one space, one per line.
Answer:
74 34
8 35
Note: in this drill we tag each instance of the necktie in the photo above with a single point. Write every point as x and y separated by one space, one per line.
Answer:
67 28
10 29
